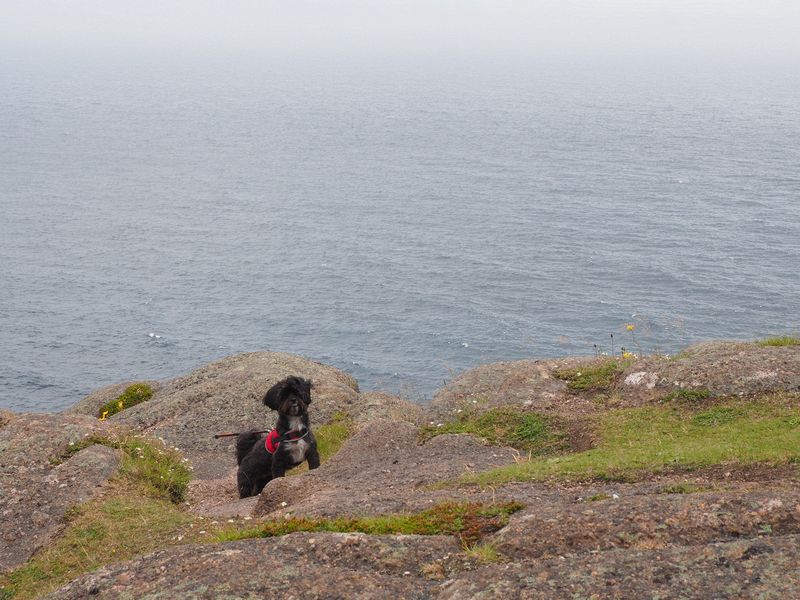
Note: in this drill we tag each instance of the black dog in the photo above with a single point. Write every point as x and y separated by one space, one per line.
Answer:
260 458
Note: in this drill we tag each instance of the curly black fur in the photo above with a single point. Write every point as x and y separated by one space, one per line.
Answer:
257 467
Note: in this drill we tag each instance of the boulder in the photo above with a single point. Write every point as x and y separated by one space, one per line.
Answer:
372 406
35 490
90 405
720 368
301 565
382 469
749 568
529 384
226 396
562 526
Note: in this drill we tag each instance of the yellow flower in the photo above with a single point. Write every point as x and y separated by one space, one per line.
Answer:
630 327
103 416
120 404
627 355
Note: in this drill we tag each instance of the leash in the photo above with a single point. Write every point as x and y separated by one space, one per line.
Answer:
231 434
291 431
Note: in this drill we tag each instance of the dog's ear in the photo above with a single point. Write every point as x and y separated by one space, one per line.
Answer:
273 396
306 387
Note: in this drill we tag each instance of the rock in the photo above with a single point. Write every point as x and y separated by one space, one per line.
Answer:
751 568
32 439
382 469
90 405
563 527
301 565
721 368
526 383
372 406
35 498
226 396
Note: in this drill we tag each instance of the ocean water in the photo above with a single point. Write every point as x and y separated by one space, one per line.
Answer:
400 221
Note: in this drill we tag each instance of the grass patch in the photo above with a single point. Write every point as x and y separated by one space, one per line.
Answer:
506 425
781 340
138 513
144 461
469 521
597 376
633 443
484 553
598 498
134 394
330 438
688 395
100 532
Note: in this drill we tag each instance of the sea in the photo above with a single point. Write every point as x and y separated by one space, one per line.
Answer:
401 220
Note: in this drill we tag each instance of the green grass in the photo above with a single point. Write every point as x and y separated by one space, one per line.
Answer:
330 438
137 513
599 376
506 425
598 498
688 395
144 461
634 443
484 553
469 521
782 340
134 394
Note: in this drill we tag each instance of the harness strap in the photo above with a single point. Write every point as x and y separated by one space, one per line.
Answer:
273 441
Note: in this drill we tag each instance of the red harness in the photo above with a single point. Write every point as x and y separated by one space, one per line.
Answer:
272 441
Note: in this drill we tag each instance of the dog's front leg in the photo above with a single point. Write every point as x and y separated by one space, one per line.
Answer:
312 456
278 467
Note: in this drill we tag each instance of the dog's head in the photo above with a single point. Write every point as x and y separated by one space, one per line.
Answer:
290 397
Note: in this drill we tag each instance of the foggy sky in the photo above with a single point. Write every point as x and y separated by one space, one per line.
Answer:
671 28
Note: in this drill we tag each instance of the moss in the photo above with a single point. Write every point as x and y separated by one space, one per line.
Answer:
508 426
783 340
134 394
634 443
469 521
596 377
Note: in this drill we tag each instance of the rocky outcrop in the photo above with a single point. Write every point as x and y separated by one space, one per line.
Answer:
35 490
90 405
748 568
527 383
226 396
720 368
382 469
647 521
713 368
302 565
720 531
